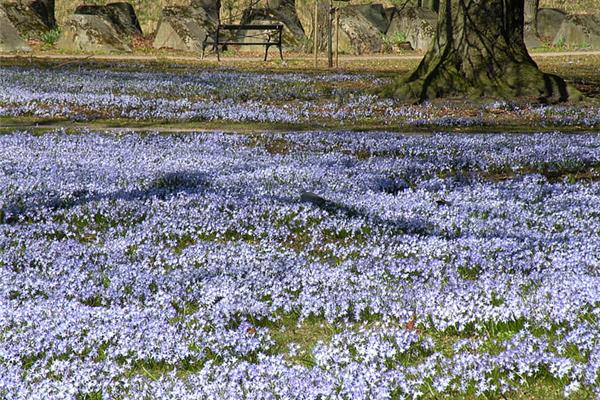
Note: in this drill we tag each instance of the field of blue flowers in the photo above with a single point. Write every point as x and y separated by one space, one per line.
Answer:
90 93
296 266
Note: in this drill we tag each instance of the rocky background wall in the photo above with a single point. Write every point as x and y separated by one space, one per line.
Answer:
365 26
149 11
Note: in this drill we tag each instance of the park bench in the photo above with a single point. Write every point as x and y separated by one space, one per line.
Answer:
270 35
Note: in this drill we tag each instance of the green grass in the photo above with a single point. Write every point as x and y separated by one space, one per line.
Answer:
11 124
305 335
51 37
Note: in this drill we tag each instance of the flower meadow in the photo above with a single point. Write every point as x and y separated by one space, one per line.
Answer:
90 93
299 266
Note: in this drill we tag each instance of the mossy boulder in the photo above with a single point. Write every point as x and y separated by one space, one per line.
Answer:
530 32
45 10
361 30
10 41
184 28
278 12
579 31
377 15
26 20
291 37
549 21
212 8
94 33
121 15
415 25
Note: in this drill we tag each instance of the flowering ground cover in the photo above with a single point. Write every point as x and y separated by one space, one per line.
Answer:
299 266
300 99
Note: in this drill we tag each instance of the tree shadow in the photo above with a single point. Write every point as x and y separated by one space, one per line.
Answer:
163 187
412 226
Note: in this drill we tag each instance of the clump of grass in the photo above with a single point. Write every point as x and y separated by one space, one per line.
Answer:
51 37
304 335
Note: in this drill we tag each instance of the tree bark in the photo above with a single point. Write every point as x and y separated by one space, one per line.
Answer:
479 51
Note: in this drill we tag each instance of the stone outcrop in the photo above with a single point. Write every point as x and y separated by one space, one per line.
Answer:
25 19
372 28
84 32
433 5
184 28
530 33
121 15
377 15
10 41
579 31
212 8
416 25
279 12
549 21
362 29
45 10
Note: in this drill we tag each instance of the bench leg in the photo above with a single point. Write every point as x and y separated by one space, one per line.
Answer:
266 51
281 52
218 54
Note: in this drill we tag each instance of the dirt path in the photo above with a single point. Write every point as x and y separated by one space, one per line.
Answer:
248 58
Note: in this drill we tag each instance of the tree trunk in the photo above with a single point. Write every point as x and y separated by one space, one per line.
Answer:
478 50
531 33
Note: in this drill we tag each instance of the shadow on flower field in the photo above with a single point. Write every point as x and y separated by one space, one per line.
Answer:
299 265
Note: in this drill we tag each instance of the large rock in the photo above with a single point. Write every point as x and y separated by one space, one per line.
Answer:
83 32
184 28
25 19
121 15
414 24
579 31
433 5
358 33
530 33
10 41
377 15
292 38
211 7
279 12
45 10
549 21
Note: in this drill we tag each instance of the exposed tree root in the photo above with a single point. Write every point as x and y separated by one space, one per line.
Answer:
479 52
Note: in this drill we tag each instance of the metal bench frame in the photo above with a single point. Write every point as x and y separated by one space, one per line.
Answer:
274 38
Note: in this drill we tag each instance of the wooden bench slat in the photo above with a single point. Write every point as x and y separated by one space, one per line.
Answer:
270 40
250 27
248 43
